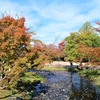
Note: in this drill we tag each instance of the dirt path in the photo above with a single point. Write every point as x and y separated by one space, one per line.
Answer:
61 63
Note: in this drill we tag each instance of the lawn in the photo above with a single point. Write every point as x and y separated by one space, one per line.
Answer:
52 68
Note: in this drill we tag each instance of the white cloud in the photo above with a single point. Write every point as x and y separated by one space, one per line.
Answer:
67 16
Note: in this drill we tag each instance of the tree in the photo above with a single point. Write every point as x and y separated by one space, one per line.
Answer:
91 54
14 43
85 36
57 51
71 47
84 52
40 55
97 29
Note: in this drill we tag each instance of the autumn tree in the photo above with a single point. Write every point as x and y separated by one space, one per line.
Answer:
59 51
91 54
16 53
40 55
14 43
97 29
85 36
96 52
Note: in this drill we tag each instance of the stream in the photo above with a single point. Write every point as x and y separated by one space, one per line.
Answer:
63 85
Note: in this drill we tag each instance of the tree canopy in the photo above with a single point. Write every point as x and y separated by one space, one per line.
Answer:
79 44
17 54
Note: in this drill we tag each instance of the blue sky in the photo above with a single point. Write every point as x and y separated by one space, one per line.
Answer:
55 17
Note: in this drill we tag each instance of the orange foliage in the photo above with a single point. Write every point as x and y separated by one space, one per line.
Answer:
89 53
16 51
14 40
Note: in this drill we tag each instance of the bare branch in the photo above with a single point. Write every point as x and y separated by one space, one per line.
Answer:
58 37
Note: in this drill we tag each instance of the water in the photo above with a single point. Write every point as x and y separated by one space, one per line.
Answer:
62 85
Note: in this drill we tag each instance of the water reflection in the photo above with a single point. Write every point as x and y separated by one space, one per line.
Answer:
82 89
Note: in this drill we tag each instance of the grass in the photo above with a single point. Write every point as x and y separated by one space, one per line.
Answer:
28 79
52 68
93 75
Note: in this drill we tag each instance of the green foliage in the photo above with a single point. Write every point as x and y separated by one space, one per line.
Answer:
85 36
71 47
86 27
31 76
93 75
28 79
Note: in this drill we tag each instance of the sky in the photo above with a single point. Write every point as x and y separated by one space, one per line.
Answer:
53 20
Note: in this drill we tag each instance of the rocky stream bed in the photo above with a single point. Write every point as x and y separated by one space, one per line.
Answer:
63 85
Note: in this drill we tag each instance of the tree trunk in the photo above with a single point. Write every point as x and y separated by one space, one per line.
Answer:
80 65
71 63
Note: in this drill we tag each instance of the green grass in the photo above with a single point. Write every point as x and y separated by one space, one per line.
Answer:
51 68
93 75
28 79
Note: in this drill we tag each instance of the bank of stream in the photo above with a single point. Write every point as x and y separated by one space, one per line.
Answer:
63 85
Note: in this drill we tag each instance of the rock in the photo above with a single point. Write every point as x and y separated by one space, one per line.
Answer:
61 86
36 98
12 98
63 89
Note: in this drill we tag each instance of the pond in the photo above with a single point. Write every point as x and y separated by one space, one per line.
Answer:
63 85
